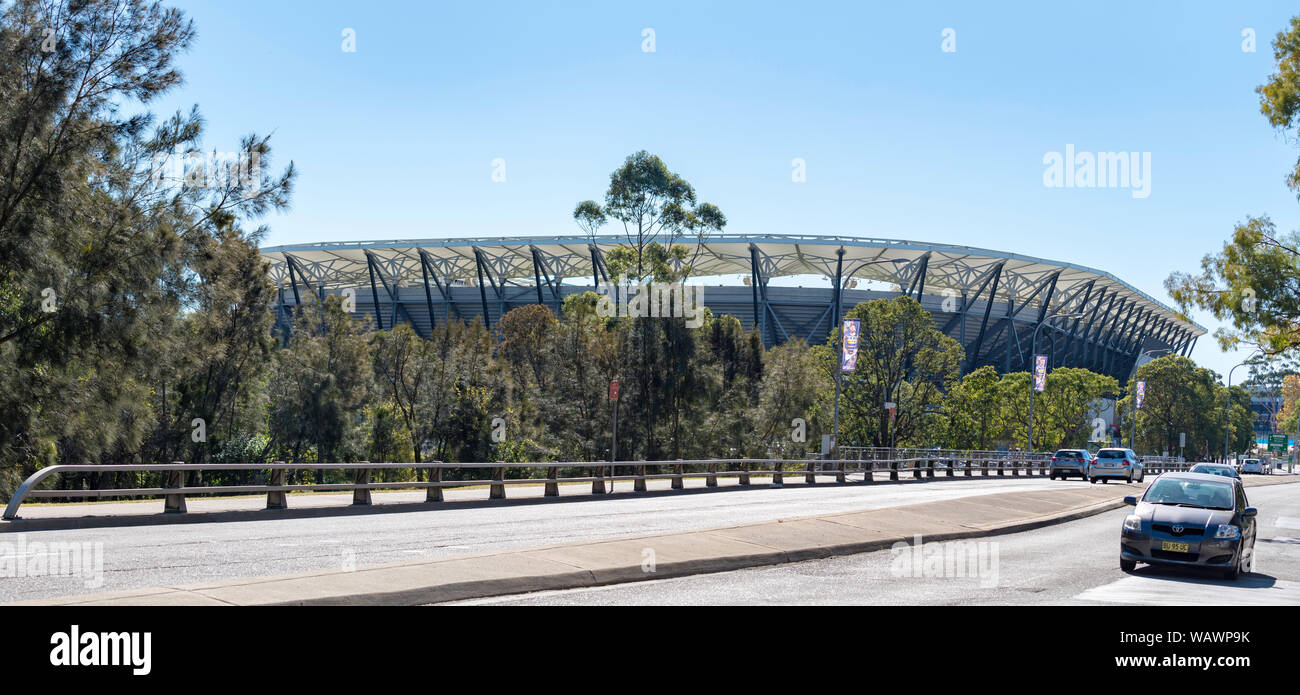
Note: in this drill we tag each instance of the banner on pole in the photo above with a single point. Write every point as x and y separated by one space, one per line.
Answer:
849 345
1140 394
1040 373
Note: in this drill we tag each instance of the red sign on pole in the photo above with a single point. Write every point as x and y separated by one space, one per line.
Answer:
613 390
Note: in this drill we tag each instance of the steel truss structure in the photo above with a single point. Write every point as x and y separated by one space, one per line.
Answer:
989 301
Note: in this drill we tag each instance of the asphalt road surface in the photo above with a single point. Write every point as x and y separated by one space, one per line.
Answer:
170 555
1071 563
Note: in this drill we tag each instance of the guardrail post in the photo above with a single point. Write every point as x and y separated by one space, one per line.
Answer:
638 485
497 491
970 468
435 491
810 476
711 479
552 485
362 496
984 467
277 499
929 468
916 469
839 468
1015 469
893 469
744 473
777 479
678 470
868 470
1002 467
598 479
175 503
952 467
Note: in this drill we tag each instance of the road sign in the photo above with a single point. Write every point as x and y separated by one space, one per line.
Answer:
1277 442
613 390
1182 439
849 345
1141 394
1040 372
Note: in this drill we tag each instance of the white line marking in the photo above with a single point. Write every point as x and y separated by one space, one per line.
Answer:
1173 590
1287 522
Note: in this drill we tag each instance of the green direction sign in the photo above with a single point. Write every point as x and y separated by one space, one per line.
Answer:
1277 442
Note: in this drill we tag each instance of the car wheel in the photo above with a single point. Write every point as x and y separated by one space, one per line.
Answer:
1234 572
1092 480
1127 565
1142 475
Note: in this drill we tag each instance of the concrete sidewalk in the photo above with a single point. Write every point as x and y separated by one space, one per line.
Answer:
647 557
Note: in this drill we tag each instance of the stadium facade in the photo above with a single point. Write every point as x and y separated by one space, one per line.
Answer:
989 301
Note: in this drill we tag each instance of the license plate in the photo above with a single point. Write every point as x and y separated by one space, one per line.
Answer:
1172 547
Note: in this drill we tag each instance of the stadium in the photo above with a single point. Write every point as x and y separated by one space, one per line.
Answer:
992 302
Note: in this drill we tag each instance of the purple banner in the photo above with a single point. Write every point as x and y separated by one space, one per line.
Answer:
849 345
1140 394
1040 372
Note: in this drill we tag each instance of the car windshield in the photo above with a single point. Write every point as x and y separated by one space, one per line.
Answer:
1110 454
1190 493
1213 470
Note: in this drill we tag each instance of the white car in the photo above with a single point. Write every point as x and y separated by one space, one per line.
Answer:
1252 466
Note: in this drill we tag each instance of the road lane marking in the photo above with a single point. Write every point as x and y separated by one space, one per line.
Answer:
1173 590
1287 522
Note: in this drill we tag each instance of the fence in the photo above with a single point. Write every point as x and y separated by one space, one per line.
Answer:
931 465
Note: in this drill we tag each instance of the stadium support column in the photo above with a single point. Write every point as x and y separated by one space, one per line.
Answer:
837 299
756 277
1074 327
482 289
918 280
428 293
537 274
374 291
973 356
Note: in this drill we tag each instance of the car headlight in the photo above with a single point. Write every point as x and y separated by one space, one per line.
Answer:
1227 531
1133 523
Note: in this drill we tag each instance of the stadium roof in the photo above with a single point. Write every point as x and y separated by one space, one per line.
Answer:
946 269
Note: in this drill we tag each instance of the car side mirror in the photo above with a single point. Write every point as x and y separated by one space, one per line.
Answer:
1250 511
1131 501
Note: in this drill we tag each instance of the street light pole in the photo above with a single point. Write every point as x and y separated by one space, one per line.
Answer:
1033 354
836 297
1227 409
1133 426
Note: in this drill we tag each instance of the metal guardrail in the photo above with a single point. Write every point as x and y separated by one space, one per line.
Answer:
174 492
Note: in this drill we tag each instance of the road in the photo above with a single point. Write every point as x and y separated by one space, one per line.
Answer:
1071 563
169 555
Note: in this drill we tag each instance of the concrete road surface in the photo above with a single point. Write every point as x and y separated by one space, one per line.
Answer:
1071 563
168 555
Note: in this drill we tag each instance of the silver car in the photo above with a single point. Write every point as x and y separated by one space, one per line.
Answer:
1068 462
1115 463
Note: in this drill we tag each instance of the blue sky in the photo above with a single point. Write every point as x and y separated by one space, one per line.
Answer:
901 139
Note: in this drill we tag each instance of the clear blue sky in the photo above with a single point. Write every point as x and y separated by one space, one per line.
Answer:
901 139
